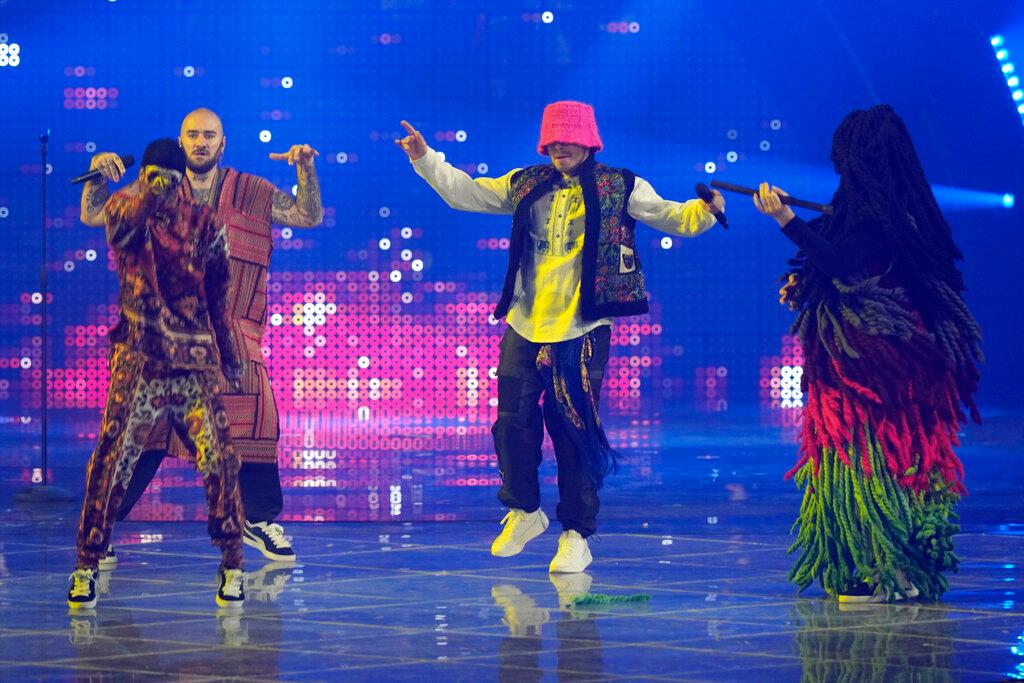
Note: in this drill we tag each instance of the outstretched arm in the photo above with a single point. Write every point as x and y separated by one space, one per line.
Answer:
457 188
305 210
686 219
95 193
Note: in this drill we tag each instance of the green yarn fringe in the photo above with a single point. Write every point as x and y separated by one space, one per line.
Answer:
601 599
853 528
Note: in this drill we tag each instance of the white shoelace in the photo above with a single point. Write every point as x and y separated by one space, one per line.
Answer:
232 582
513 518
276 534
82 578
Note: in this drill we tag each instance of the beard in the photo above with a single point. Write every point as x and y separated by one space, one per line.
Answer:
204 167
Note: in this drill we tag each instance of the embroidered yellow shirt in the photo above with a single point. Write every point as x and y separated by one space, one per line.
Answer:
546 305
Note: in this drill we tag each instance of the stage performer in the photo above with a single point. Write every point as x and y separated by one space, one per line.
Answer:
891 356
572 267
171 348
248 205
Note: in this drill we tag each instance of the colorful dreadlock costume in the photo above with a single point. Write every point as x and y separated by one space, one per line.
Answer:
172 341
891 352
572 268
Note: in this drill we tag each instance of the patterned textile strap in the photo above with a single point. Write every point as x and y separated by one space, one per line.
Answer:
563 368
857 526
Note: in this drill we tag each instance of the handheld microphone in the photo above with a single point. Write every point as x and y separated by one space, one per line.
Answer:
705 193
789 201
128 160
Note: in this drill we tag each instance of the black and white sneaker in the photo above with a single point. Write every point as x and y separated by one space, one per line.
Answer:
109 560
83 589
269 539
231 593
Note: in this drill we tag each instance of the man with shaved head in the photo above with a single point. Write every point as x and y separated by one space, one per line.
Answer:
248 205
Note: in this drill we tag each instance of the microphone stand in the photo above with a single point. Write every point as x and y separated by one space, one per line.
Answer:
42 492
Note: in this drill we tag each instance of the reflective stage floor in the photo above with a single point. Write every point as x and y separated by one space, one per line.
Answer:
411 600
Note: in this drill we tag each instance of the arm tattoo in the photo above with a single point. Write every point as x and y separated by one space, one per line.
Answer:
303 210
308 195
97 197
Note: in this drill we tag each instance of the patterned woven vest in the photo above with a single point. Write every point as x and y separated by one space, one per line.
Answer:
612 282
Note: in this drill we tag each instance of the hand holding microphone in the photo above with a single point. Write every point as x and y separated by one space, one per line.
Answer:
713 202
106 166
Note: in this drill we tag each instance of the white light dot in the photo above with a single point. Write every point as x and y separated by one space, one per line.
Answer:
731 157
286 233
14 60
90 146
37 298
4 212
406 297
396 276
384 211
460 136
732 134
666 242
407 232
416 265
441 156
276 319
341 158
384 243
482 168
3 37
634 27
264 136
547 17
90 255
765 145
26 363
287 82
295 190
49 169
69 266
363 362
406 254
710 167
189 71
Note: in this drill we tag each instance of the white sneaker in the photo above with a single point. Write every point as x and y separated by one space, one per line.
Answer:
108 562
520 528
269 539
573 554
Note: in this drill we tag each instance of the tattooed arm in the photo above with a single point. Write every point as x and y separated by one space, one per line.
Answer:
305 210
96 193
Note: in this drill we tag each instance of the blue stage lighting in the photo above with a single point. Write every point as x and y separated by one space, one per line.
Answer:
1009 71
1008 200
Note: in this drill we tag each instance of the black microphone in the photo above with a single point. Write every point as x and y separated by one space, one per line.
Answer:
705 193
127 160
787 200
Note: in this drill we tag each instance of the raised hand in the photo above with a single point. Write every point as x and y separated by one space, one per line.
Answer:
412 144
767 200
302 155
109 165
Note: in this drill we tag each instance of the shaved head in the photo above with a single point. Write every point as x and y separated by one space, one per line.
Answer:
202 119
202 138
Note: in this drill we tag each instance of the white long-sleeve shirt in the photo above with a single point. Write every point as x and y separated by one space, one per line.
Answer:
546 304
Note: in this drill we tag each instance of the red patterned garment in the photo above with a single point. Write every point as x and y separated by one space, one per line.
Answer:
243 205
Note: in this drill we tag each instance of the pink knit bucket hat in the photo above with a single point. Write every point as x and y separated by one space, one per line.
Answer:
569 122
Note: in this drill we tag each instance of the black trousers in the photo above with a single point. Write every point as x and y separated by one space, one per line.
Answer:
519 432
259 484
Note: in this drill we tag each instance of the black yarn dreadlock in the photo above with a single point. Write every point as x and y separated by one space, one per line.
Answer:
883 187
